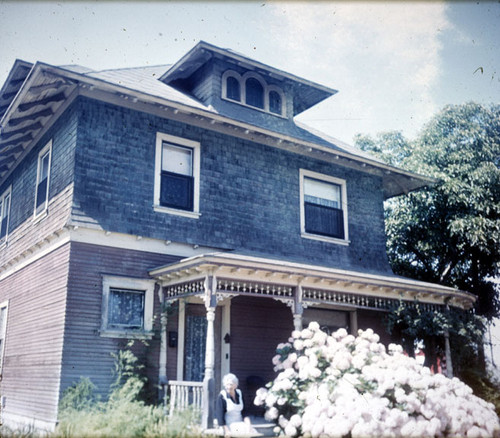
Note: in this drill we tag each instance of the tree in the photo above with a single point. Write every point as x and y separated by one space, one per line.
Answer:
448 233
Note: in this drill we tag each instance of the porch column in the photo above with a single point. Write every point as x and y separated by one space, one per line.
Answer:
208 380
298 309
162 365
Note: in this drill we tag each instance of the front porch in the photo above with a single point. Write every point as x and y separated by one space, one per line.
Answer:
248 305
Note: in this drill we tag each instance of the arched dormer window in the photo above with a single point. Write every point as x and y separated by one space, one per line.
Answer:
233 91
252 90
231 85
276 99
254 93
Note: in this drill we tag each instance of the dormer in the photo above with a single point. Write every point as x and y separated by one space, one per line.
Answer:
233 83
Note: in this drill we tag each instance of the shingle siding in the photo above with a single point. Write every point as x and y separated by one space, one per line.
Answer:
249 192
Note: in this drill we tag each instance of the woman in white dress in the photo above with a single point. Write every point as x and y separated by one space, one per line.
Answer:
229 409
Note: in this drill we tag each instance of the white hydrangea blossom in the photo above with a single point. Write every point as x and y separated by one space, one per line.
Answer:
340 384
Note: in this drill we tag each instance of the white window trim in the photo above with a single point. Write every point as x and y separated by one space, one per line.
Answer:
195 146
111 281
3 330
326 178
267 88
43 212
7 192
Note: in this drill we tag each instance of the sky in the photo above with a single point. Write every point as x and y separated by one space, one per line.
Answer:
394 64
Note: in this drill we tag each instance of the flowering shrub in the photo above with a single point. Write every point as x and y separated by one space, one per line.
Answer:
339 385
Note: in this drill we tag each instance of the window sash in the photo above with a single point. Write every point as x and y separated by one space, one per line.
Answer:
177 191
177 159
126 309
233 91
254 93
324 220
274 102
4 215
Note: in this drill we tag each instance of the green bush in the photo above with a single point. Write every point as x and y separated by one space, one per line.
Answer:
124 414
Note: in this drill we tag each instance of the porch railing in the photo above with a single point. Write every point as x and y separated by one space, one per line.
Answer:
183 395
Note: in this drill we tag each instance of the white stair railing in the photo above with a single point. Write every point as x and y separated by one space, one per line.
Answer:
185 395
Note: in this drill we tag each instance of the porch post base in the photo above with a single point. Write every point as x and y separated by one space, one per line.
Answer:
207 415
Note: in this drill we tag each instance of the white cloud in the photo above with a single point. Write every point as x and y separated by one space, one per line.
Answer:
380 56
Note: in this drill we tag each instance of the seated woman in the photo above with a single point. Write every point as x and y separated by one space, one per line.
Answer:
229 409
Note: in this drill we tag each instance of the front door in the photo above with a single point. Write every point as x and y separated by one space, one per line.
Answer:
196 335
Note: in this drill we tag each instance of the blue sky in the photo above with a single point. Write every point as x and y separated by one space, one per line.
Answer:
394 64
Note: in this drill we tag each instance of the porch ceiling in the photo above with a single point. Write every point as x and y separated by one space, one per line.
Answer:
311 285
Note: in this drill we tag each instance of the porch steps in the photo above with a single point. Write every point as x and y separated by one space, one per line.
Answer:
262 426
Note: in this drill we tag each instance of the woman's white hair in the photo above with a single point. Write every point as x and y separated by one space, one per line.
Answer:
230 378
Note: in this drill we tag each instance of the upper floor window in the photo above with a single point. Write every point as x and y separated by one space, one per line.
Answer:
323 206
177 175
3 330
250 89
254 93
5 214
43 179
233 90
127 306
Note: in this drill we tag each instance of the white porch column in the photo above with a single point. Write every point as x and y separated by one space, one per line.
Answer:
208 380
162 365
298 309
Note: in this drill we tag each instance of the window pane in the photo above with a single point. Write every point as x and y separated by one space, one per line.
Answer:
176 191
326 221
41 193
322 193
44 167
126 308
275 102
233 88
177 159
254 93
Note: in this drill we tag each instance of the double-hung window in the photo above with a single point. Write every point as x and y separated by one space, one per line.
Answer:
323 207
5 201
127 307
177 175
3 330
43 179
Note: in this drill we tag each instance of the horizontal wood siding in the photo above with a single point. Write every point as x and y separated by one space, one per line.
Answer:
86 352
34 338
258 325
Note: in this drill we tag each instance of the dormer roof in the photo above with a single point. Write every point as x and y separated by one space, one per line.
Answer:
306 93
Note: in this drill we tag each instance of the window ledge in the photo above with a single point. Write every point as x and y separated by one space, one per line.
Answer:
168 210
40 216
262 110
125 334
325 239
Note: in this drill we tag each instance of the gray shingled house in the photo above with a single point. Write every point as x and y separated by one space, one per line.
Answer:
183 205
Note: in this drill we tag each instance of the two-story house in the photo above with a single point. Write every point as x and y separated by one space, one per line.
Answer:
183 206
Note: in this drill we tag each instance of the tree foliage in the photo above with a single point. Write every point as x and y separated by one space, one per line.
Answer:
448 233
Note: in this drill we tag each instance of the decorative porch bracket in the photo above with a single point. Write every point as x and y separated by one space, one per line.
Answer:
209 381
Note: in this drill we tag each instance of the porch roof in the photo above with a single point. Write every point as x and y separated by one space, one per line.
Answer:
238 274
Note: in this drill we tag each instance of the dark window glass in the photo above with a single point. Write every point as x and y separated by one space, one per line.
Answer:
42 186
233 88
275 102
4 215
126 309
177 181
254 93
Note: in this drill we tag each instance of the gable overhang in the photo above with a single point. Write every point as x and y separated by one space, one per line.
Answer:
306 93
299 285
47 91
